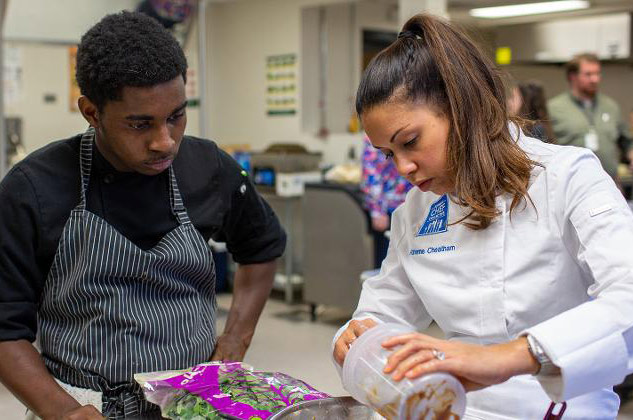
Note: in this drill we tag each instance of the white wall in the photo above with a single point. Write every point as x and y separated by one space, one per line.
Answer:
42 31
46 69
193 84
62 21
241 35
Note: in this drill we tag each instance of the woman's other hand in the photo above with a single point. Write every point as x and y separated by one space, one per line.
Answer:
351 333
475 366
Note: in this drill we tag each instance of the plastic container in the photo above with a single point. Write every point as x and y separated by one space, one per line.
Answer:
437 396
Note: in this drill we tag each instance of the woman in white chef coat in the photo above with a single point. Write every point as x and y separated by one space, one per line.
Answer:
519 250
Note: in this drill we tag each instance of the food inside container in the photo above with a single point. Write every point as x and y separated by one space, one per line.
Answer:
437 396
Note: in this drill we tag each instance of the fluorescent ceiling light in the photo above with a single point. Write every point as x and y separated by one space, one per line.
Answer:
528 9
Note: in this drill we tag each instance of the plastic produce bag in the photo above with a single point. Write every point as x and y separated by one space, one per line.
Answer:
219 390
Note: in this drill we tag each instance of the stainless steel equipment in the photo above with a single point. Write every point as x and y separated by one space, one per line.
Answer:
275 164
338 247
286 157
338 408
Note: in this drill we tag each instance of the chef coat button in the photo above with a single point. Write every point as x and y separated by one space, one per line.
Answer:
108 178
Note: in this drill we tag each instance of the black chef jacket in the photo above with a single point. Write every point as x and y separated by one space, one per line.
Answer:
38 194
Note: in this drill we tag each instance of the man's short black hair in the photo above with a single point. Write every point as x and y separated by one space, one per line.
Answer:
126 49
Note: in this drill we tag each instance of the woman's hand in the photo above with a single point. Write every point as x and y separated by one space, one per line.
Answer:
351 333
474 365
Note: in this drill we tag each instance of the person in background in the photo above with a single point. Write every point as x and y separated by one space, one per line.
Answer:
527 101
518 249
586 118
384 190
103 238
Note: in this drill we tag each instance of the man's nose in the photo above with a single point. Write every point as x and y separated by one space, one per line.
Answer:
162 140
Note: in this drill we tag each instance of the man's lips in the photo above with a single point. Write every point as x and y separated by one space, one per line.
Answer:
160 164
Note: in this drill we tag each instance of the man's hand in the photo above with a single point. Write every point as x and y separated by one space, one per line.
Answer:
475 366
229 348
347 337
86 412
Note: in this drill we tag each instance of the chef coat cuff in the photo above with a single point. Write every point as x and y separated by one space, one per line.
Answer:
597 364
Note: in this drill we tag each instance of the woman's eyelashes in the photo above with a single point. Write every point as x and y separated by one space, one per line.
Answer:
407 145
411 142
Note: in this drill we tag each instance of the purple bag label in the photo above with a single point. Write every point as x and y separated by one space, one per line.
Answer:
267 392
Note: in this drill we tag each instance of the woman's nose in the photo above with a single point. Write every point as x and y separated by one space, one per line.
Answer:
405 167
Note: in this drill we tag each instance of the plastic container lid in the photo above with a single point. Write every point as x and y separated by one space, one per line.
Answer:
433 396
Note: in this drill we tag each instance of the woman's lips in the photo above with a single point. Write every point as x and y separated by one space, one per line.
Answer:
425 185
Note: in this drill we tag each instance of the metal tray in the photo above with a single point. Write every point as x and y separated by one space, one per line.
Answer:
338 408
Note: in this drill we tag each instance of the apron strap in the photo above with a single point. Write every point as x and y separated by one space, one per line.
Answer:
85 163
127 401
177 206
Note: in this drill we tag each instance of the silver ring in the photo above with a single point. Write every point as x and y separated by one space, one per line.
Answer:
439 355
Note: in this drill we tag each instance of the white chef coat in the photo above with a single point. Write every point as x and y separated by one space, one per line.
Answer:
560 269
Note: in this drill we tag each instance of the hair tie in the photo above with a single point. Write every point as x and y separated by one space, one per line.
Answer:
409 34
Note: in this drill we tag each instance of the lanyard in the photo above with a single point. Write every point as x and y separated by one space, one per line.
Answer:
588 112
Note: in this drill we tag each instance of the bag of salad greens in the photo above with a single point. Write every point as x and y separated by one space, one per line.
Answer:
219 390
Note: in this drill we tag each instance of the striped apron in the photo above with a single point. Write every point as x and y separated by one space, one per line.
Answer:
110 309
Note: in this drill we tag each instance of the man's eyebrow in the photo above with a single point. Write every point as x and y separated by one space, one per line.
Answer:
180 108
139 117
142 117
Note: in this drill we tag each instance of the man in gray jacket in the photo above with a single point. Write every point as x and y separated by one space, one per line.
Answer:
583 117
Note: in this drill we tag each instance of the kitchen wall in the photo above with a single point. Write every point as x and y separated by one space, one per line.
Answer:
241 35
45 72
43 56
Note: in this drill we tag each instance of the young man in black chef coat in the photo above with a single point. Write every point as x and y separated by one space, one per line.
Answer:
103 238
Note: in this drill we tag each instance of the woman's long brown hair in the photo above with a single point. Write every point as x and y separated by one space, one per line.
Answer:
435 64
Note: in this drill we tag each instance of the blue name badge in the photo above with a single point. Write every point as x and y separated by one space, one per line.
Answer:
437 219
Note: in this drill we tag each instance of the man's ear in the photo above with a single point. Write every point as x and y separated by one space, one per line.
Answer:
89 110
